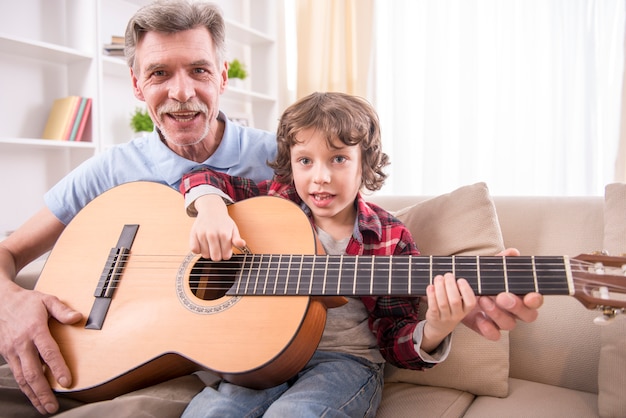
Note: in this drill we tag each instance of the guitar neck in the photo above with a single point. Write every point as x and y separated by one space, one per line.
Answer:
329 275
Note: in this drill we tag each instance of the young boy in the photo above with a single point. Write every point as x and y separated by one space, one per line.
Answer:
329 148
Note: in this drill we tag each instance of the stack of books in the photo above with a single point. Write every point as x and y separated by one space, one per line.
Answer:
116 47
67 119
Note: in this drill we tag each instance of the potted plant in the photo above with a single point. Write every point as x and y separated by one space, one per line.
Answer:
237 71
141 121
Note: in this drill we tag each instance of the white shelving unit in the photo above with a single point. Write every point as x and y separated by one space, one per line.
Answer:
53 48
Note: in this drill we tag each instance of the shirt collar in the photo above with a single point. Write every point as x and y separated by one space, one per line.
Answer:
367 220
228 154
172 166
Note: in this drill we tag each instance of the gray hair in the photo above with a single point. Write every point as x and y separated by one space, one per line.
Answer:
171 16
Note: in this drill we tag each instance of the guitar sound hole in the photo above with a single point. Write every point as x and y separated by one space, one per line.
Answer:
210 280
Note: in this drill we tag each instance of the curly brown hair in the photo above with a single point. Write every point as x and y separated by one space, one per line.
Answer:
349 118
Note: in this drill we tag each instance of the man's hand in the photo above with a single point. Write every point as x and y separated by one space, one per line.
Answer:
493 314
27 345
25 340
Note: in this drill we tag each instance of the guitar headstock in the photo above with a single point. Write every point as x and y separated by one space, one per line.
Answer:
600 282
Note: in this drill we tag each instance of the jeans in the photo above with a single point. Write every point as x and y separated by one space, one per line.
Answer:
330 385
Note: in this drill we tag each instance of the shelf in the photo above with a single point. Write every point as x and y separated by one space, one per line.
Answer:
41 50
237 93
115 66
46 143
239 33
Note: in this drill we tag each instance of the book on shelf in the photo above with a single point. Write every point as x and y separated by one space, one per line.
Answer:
81 119
115 50
60 118
116 47
67 118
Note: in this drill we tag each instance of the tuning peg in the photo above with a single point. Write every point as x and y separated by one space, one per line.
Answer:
598 268
608 314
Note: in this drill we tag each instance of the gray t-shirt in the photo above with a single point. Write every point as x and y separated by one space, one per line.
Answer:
347 329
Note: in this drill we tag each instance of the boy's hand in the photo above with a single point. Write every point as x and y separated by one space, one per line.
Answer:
214 233
449 301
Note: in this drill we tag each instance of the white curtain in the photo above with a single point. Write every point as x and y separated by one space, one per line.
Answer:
522 94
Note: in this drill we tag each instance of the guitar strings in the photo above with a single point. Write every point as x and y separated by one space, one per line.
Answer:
212 273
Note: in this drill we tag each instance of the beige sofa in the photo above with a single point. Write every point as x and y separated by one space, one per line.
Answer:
562 365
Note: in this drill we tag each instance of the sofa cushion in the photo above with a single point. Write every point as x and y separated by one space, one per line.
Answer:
615 218
461 222
408 400
611 377
537 400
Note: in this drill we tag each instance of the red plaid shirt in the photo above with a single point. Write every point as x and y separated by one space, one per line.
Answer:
391 319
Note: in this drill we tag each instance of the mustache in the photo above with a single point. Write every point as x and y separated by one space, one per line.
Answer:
182 107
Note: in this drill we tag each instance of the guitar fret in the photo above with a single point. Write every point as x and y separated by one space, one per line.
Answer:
567 267
299 275
241 287
254 267
286 274
325 276
243 269
312 274
535 281
430 271
256 281
306 272
372 275
332 274
506 277
267 274
454 265
478 281
389 277
408 283
339 274
356 264
491 275
465 267
522 275
278 277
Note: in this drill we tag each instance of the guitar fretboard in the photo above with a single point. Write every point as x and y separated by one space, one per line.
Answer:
328 275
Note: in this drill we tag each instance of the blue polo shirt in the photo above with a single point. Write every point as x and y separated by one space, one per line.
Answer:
243 152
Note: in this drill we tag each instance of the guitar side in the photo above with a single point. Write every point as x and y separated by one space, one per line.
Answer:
149 333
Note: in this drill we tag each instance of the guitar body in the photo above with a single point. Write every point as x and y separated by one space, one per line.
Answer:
153 311
156 327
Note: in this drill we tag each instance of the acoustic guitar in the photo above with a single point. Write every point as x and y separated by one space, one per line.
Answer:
154 311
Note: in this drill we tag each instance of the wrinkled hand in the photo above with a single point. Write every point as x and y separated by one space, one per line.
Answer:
214 233
449 301
494 314
27 345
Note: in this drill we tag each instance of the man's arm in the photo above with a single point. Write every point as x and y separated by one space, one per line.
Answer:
26 340
493 314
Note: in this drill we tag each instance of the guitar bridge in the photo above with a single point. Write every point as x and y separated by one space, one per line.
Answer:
110 277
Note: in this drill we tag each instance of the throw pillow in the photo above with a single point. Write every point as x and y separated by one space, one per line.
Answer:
611 377
463 222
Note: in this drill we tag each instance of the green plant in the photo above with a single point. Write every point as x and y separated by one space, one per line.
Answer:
141 121
237 70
